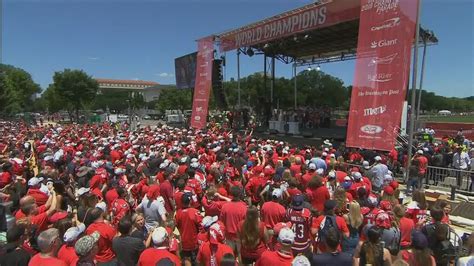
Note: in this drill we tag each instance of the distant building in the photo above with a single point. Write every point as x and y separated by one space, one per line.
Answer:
150 90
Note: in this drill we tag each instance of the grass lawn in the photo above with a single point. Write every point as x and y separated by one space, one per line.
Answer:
452 119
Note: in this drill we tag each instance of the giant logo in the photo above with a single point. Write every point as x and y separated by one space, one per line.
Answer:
371 129
383 43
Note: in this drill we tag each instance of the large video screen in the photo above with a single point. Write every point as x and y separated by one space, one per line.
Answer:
185 71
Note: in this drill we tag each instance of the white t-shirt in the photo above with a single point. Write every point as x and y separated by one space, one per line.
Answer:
466 261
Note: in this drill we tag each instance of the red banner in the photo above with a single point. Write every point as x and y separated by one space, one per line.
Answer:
386 33
203 82
309 17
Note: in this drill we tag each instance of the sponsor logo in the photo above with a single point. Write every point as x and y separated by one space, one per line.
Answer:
383 43
199 109
386 60
197 118
375 111
381 77
371 129
387 24
381 6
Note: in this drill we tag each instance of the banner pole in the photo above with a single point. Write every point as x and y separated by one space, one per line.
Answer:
421 80
296 93
413 92
238 77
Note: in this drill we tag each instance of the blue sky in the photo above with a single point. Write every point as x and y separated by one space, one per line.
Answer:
139 39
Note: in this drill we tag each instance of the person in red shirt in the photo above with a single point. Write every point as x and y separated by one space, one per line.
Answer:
300 218
48 243
272 212
232 214
188 220
120 206
308 175
318 193
67 253
405 224
213 202
322 221
252 236
32 212
211 252
6 174
166 191
422 166
283 256
34 190
159 251
107 233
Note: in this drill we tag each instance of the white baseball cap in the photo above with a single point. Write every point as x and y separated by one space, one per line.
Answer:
208 221
286 236
102 205
35 181
277 193
378 158
159 235
73 233
312 166
419 151
82 191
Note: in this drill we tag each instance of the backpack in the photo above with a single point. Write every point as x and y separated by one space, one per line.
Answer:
444 250
394 246
329 222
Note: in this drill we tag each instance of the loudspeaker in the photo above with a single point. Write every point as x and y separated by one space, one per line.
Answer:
307 133
217 84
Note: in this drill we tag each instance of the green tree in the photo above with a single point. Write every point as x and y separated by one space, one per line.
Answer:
17 90
174 99
53 100
76 88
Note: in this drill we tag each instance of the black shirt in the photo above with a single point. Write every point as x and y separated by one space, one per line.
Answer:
329 259
127 249
16 257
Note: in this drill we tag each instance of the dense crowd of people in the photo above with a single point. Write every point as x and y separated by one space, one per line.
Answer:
105 195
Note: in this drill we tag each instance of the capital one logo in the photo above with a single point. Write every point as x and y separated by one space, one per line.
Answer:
371 129
383 43
389 23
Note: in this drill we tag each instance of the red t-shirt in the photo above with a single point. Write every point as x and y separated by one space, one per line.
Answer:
166 191
272 213
204 255
5 179
188 221
306 178
19 214
41 220
37 260
177 198
68 254
231 215
318 197
406 227
111 196
422 164
151 256
107 233
212 207
257 251
274 258
40 197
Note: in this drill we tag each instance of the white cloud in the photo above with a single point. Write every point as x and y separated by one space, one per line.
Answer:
93 58
165 75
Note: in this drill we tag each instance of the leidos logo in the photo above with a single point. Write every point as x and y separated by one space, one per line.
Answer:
371 129
383 43
389 23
